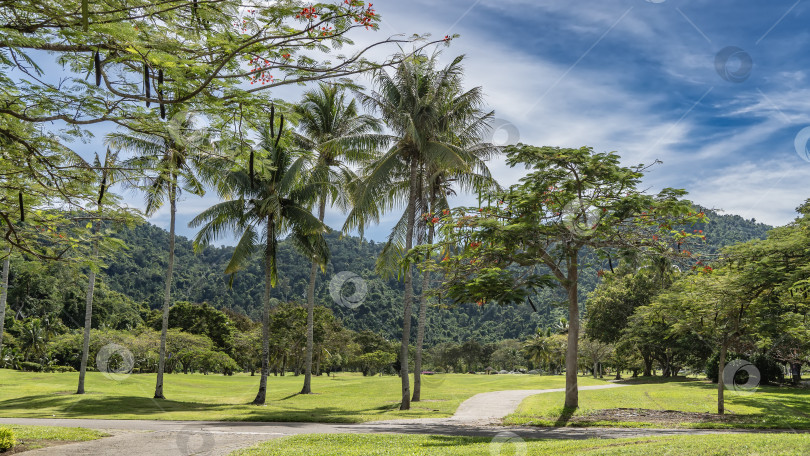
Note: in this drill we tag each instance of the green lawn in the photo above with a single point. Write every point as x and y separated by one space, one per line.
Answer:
31 437
347 398
768 407
394 445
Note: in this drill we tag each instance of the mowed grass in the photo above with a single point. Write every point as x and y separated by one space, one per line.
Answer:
347 398
396 445
31 437
766 407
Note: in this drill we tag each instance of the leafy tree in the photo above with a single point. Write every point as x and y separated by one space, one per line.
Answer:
273 201
571 199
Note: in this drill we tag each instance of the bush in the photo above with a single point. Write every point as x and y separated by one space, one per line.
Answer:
770 371
27 366
713 363
7 441
60 369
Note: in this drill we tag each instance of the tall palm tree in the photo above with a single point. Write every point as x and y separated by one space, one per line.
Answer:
434 124
338 137
170 156
107 178
261 211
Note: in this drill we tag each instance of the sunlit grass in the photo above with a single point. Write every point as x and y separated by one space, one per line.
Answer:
344 398
767 407
402 445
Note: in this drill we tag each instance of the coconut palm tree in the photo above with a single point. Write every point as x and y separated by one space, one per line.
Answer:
170 157
434 124
108 176
262 209
338 137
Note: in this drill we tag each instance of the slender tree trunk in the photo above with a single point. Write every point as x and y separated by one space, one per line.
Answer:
4 296
571 391
408 299
164 328
721 385
420 329
313 275
269 254
88 320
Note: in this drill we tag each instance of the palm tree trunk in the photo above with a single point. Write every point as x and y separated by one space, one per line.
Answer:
167 294
4 296
88 319
420 329
571 391
313 274
408 299
721 385
269 252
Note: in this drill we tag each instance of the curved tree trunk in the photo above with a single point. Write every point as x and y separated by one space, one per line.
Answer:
4 296
269 254
571 391
164 328
408 299
313 275
420 329
88 320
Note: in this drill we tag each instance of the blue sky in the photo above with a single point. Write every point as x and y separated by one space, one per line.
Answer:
638 77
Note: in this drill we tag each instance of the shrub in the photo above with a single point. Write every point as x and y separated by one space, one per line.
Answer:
27 366
7 441
770 371
59 369
713 363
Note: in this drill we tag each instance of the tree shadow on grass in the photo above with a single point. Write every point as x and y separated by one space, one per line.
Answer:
565 416
139 407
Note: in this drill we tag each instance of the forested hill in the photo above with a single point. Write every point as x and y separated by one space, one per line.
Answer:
139 273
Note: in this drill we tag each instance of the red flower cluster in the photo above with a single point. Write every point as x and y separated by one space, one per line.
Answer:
307 13
475 244
259 75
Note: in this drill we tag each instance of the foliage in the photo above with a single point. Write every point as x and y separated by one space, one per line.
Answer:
7 440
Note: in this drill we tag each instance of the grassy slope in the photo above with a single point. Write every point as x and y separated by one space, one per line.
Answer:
347 445
347 398
767 407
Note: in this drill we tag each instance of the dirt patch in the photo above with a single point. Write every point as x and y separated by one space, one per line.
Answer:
657 416
33 445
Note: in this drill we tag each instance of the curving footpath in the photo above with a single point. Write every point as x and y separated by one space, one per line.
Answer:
477 416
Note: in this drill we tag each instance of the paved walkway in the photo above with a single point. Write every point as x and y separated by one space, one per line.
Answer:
474 417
